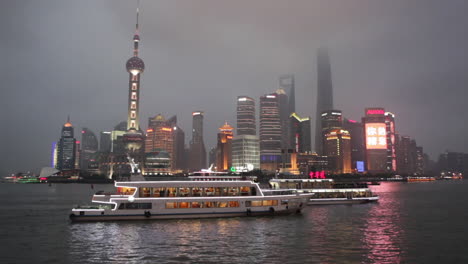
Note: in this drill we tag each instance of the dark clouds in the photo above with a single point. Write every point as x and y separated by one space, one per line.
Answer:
68 57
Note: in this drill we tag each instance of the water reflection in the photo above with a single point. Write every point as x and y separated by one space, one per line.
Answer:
383 233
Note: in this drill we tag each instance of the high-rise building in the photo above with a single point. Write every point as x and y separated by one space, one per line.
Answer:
105 142
358 150
245 145
246 116
224 148
331 119
89 148
283 108
66 151
337 147
179 158
300 133
246 152
391 150
135 66
197 156
375 131
159 137
324 94
270 132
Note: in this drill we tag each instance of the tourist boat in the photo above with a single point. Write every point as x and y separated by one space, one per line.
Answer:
326 191
420 179
148 200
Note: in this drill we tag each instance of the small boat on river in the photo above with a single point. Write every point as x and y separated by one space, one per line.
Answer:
150 200
326 191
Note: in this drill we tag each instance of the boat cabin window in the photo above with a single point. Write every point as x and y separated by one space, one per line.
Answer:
261 203
125 191
184 205
196 191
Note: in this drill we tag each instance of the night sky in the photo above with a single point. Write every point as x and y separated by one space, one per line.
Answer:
63 58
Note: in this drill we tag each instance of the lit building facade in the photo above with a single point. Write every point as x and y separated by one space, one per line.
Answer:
159 137
375 131
337 147
224 148
66 150
300 133
246 124
270 132
391 150
245 151
283 109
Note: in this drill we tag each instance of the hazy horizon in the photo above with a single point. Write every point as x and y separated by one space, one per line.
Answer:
68 58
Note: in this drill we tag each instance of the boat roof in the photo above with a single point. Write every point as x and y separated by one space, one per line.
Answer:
185 184
301 180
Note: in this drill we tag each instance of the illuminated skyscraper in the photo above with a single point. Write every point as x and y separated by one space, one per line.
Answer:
337 147
246 116
324 94
197 155
375 131
66 150
245 145
300 133
283 109
159 137
391 151
224 148
270 132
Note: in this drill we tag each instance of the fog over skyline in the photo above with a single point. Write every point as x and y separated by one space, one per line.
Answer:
65 58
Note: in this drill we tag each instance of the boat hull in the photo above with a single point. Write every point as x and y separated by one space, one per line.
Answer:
145 217
331 201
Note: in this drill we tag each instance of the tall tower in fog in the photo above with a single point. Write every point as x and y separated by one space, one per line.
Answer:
324 94
286 83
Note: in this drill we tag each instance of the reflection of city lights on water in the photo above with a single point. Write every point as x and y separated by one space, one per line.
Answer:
382 232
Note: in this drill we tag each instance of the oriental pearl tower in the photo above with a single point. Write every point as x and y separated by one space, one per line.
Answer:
135 66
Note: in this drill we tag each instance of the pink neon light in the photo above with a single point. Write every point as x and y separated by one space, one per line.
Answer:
375 112
352 121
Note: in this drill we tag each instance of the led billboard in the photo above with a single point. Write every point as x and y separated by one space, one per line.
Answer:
376 136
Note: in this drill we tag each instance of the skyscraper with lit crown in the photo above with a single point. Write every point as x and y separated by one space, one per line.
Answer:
66 150
224 148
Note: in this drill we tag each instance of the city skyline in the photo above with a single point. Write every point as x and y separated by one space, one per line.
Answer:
89 80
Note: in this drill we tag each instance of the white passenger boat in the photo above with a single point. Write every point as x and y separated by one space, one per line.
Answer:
145 200
326 191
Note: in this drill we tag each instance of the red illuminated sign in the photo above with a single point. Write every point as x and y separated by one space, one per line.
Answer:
376 136
375 112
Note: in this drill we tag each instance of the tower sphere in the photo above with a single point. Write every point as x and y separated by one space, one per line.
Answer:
135 65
